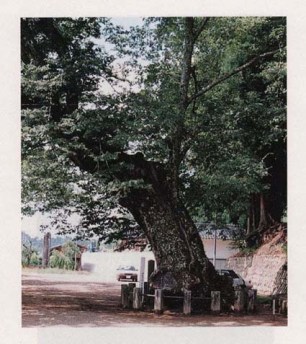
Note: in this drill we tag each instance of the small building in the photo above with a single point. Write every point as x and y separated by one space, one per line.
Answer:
78 257
137 245
133 239
222 238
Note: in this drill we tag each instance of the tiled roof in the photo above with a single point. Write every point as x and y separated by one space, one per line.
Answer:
228 232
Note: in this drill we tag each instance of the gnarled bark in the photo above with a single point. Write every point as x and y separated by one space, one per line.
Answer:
174 238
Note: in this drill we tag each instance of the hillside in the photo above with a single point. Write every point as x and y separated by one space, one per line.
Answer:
266 268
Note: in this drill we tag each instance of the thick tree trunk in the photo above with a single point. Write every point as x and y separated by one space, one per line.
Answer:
174 238
254 214
263 222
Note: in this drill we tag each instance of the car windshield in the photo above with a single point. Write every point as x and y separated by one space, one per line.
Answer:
127 267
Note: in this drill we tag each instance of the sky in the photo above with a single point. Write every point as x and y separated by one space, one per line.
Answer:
126 22
30 225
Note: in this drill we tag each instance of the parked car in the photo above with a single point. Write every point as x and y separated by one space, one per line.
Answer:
127 272
236 279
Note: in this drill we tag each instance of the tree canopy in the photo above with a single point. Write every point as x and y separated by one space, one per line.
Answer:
195 105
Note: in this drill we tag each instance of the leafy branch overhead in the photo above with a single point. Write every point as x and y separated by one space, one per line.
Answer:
190 109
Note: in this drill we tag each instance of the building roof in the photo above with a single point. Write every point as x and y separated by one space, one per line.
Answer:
56 247
228 232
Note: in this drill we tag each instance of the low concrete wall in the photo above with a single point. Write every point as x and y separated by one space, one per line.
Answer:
263 268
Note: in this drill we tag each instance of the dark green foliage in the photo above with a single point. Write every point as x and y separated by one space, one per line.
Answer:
218 133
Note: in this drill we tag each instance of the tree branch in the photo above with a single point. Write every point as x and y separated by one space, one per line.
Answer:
233 72
186 64
201 28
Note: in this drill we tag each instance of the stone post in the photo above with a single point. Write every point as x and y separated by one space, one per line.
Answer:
215 305
151 267
125 293
187 302
131 287
239 302
141 273
137 299
158 301
146 288
284 307
252 295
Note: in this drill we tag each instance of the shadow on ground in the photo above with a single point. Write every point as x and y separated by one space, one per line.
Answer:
47 301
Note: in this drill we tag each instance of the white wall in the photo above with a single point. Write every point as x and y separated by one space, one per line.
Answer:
223 248
105 264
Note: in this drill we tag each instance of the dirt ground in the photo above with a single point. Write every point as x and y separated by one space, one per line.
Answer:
82 300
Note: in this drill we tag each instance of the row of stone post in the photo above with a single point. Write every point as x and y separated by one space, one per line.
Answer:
132 297
215 305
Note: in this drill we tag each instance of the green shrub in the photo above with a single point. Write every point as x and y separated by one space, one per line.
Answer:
29 256
65 259
34 260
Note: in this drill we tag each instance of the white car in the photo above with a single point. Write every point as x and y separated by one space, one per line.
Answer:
127 272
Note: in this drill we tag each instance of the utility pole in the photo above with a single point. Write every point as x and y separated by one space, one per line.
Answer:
215 242
215 247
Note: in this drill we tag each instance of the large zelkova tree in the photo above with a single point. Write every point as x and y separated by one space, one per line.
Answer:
164 122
